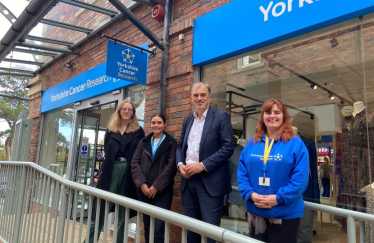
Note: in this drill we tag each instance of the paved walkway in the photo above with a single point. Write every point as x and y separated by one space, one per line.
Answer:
41 234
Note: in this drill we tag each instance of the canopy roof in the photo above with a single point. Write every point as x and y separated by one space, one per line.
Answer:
44 30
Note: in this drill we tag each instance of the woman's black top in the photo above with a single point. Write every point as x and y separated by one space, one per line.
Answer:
124 151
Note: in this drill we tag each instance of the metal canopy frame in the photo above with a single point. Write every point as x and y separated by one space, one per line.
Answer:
40 53
66 26
18 39
47 40
10 16
19 35
90 7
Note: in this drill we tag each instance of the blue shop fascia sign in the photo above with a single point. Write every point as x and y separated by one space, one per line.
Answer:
97 81
244 25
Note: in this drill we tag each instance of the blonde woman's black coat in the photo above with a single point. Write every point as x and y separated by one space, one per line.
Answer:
112 142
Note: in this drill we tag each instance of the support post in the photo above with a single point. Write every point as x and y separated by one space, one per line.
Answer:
351 229
62 216
18 219
165 57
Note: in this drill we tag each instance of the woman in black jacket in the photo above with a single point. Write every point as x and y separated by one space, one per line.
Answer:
121 139
153 170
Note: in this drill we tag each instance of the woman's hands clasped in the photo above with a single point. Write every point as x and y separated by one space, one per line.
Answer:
149 192
264 201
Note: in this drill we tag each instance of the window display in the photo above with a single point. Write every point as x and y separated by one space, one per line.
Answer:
319 76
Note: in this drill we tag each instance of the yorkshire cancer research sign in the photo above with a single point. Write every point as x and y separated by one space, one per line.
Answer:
244 25
126 63
91 83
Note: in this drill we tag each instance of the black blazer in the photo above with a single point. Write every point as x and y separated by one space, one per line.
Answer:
216 147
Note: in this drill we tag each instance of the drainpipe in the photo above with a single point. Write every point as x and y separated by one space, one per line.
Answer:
165 56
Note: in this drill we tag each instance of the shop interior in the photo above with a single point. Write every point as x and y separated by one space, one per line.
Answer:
326 80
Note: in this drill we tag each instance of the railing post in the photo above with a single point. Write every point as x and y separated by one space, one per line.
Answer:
351 229
362 231
62 215
17 222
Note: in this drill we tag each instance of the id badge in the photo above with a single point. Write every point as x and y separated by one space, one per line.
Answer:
261 181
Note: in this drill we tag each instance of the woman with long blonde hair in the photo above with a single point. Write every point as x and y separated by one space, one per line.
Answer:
121 140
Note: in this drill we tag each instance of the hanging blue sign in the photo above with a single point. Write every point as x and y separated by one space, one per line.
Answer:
244 25
92 83
126 63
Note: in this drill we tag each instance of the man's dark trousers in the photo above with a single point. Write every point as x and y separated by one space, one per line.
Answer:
198 204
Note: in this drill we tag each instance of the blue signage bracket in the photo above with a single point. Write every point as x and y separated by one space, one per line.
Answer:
244 25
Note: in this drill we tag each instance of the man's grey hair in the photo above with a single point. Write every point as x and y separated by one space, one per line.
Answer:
199 84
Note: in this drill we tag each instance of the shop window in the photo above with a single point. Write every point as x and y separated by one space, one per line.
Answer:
321 77
56 138
249 60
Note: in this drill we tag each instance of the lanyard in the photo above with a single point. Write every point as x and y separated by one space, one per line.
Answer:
158 144
266 154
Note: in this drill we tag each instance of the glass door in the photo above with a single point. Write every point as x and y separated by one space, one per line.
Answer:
87 135
88 130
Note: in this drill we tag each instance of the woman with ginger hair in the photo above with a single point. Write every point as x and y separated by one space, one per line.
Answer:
272 175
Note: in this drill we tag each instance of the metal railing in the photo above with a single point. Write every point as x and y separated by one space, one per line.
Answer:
352 217
36 205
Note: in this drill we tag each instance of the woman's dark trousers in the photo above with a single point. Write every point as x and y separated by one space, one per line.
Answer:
117 186
162 200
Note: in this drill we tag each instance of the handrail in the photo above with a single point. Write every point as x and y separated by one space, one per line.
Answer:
187 223
333 210
350 214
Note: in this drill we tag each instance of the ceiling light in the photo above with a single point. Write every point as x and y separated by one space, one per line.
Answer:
69 65
13 20
313 86
331 96
6 12
342 102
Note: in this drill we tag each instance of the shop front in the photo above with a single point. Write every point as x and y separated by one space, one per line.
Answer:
315 56
76 113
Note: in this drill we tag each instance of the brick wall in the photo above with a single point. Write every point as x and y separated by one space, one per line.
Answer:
34 113
93 52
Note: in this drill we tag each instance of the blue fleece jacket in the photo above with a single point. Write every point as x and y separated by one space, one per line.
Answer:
288 170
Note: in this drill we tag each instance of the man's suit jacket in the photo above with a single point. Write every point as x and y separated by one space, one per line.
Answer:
216 147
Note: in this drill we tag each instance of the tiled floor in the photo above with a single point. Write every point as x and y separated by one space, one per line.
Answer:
44 235
327 232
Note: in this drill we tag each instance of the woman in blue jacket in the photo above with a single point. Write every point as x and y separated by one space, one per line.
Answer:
272 175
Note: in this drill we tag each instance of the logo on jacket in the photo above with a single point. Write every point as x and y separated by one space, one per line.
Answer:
278 157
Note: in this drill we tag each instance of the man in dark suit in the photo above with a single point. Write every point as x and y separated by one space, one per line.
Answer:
205 145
